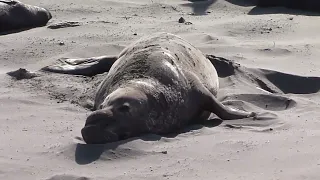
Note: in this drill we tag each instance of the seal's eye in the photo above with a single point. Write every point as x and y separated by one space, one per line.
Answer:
124 108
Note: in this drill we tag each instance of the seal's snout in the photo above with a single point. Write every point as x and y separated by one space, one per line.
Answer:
49 15
101 118
97 128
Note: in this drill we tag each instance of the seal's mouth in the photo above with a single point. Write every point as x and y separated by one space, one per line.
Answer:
100 128
48 14
93 134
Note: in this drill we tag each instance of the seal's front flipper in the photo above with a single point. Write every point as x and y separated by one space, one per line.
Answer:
210 103
82 66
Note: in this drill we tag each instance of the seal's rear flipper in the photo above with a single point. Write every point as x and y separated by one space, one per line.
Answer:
210 103
82 66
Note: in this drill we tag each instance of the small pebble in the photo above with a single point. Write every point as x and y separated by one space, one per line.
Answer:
164 152
182 20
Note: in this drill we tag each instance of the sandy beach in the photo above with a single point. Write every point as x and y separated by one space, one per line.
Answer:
269 62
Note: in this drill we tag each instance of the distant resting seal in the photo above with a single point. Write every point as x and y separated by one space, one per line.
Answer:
15 15
312 5
157 84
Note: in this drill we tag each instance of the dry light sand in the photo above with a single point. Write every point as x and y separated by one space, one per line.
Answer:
278 51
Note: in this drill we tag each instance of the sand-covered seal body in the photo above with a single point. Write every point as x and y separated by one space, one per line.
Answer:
15 15
160 66
157 84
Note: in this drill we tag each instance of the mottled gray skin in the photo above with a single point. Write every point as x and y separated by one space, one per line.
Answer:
15 15
158 84
312 5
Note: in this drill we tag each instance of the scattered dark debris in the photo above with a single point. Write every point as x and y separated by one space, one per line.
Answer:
182 20
267 29
175 9
126 17
233 126
60 98
264 30
101 21
22 74
164 152
64 25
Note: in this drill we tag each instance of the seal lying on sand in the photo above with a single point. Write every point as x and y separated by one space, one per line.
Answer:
15 15
312 5
158 84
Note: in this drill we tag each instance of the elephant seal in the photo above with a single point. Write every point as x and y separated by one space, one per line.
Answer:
15 15
158 84
311 5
